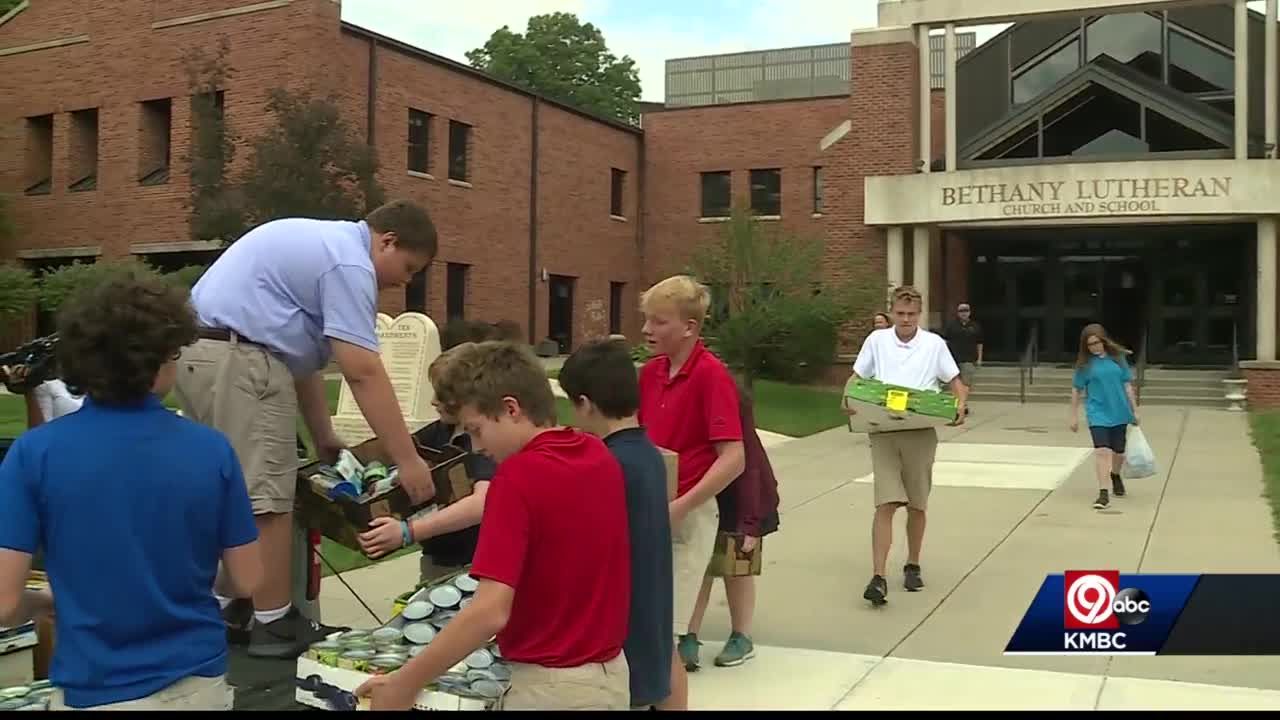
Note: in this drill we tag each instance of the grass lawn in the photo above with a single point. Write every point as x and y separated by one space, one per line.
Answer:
1266 436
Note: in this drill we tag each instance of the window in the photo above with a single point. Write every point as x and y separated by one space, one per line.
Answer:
419 141
1042 75
1130 38
766 192
459 139
1165 135
817 190
1195 67
618 179
415 293
615 307
455 289
84 150
154 128
715 194
1095 121
39 180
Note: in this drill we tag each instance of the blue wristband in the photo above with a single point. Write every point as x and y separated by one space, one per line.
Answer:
406 538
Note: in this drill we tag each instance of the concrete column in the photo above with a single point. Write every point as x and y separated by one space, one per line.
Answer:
1266 305
926 114
894 256
1269 68
949 80
920 271
1242 80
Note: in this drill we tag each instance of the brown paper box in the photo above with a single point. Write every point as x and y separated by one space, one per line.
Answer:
672 462
343 519
728 560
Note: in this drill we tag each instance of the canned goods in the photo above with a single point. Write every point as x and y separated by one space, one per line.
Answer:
466 583
386 634
500 672
40 685
354 636
390 648
479 660
487 689
12 704
325 652
444 596
419 633
418 610
15 692
384 664
355 660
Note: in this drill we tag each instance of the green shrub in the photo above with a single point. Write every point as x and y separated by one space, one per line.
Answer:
18 291
57 286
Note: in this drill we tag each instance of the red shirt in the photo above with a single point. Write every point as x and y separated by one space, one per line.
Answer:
555 530
691 412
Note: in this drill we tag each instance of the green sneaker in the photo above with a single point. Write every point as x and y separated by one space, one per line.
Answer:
737 650
687 646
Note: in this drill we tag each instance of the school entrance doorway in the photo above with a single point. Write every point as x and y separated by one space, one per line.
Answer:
1185 291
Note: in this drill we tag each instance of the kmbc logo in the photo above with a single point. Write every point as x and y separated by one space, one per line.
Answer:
1093 600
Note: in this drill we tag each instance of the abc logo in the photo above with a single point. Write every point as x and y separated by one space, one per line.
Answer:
1094 600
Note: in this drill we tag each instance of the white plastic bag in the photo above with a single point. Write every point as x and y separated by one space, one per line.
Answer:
1139 460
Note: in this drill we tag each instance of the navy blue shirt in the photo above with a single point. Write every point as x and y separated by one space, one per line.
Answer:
133 506
649 638
456 548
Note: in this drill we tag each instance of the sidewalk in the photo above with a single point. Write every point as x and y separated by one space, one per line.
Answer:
1011 504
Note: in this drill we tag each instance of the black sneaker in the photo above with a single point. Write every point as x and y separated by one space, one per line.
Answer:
288 637
911 579
239 619
1103 502
1117 485
876 591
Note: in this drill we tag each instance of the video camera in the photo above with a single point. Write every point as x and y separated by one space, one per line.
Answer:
36 356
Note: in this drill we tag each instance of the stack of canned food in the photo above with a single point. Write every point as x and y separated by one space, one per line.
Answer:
483 674
27 697
351 478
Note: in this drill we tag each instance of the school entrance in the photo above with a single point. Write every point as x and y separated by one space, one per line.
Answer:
1185 290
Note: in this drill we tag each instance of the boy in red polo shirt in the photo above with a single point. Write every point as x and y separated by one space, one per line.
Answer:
689 404
554 557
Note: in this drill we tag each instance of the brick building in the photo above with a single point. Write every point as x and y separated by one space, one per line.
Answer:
1110 160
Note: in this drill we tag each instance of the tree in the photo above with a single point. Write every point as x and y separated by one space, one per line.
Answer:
566 60
773 314
18 291
57 285
310 164
215 203
7 5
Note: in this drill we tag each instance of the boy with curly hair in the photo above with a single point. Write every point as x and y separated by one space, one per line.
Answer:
134 507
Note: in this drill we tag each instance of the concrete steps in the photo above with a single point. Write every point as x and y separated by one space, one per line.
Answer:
1052 384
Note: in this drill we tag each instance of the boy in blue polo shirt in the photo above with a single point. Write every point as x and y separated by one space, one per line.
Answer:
600 380
134 507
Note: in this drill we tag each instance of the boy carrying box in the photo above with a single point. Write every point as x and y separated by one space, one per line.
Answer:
600 379
902 462
553 562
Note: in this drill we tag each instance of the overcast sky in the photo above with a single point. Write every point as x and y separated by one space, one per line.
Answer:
650 32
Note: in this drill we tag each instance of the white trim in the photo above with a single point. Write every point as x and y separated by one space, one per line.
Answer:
459 183
836 134
230 12
46 45
421 175
870 37
14 11
176 246
60 252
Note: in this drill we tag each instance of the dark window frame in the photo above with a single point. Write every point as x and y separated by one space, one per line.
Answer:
819 190
87 179
717 206
157 170
41 182
765 202
617 192
455 291
616 294
459 162
418 150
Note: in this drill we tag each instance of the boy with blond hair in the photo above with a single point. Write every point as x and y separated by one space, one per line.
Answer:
689 405
553 562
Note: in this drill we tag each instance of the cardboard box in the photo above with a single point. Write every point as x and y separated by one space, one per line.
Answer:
343 519
672 462
331 688
882 407
728 559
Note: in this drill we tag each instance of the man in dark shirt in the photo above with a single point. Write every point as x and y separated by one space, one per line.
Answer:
600 380
964 338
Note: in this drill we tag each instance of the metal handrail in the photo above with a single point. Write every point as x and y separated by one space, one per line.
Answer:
1142 364
1235 349
1027 364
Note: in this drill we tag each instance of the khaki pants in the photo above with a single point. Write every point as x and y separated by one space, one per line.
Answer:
902 464
692 544
597 686
192 693
247 394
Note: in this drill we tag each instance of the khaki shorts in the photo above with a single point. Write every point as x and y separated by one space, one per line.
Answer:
692 544
968 373
597 686
246 393
192 693
902 463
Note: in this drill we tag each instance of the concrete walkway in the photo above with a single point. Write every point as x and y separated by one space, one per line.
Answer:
1011 503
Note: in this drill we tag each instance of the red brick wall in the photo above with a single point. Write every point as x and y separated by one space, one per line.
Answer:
303 45
682 143
1263 390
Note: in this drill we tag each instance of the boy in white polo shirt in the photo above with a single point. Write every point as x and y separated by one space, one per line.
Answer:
902 461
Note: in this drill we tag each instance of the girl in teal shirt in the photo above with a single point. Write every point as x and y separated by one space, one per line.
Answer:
1103 376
